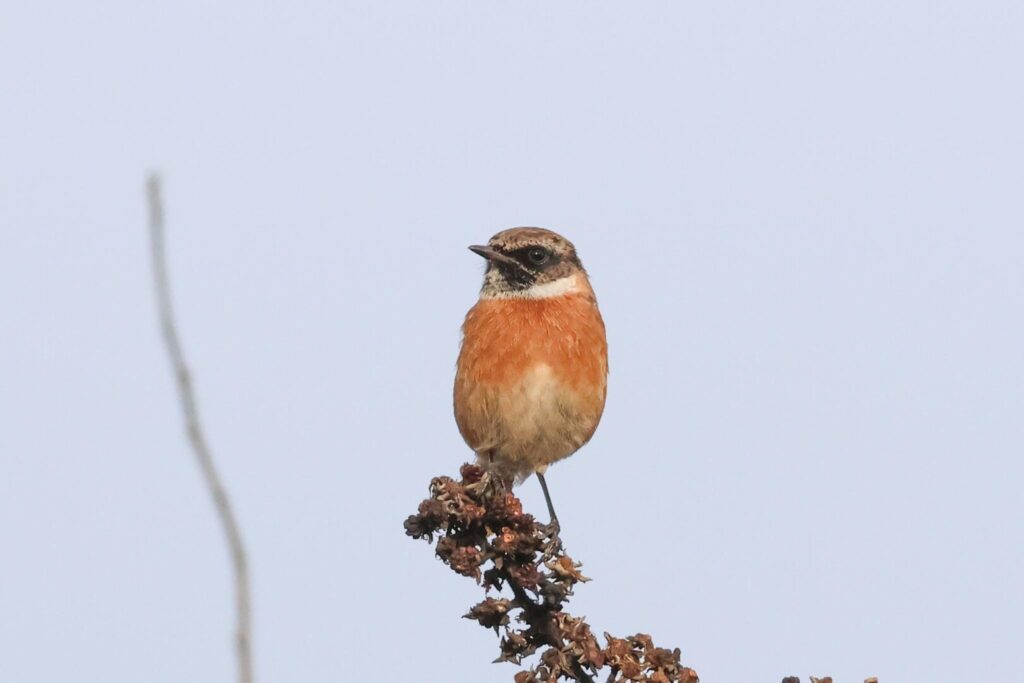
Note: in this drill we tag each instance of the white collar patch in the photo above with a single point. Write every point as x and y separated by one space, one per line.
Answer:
560 287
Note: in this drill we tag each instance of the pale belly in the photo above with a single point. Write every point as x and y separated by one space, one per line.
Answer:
525 425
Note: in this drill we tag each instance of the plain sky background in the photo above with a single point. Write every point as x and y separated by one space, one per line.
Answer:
805 225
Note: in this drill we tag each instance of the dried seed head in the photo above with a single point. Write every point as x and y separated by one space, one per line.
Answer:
484 534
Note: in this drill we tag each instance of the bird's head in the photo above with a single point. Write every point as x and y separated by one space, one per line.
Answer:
530 263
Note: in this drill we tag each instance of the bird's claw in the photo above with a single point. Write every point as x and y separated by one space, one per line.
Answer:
553 545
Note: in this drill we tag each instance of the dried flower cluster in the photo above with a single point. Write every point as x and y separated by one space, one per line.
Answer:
826 679
483 533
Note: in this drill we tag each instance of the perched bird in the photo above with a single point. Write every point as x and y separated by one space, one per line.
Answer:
531 379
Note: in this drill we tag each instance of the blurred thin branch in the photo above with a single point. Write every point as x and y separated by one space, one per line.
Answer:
196 436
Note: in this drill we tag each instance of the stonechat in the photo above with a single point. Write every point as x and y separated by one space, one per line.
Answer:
531 379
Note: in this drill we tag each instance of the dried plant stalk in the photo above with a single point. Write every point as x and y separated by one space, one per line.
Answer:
196 437
483 533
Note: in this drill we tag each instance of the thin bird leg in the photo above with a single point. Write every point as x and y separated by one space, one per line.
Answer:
547 497
554 525
554 544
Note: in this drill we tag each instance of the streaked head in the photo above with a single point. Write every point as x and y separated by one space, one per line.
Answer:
530 263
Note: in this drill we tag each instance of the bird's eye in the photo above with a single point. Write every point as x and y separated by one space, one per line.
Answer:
538 256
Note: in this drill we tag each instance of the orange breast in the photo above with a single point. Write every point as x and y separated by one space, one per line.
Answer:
531 381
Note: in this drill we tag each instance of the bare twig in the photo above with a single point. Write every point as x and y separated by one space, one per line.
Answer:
196 437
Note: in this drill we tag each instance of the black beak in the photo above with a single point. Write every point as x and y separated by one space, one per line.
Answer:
492 255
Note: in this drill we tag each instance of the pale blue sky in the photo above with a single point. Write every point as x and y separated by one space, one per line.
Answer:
804 224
